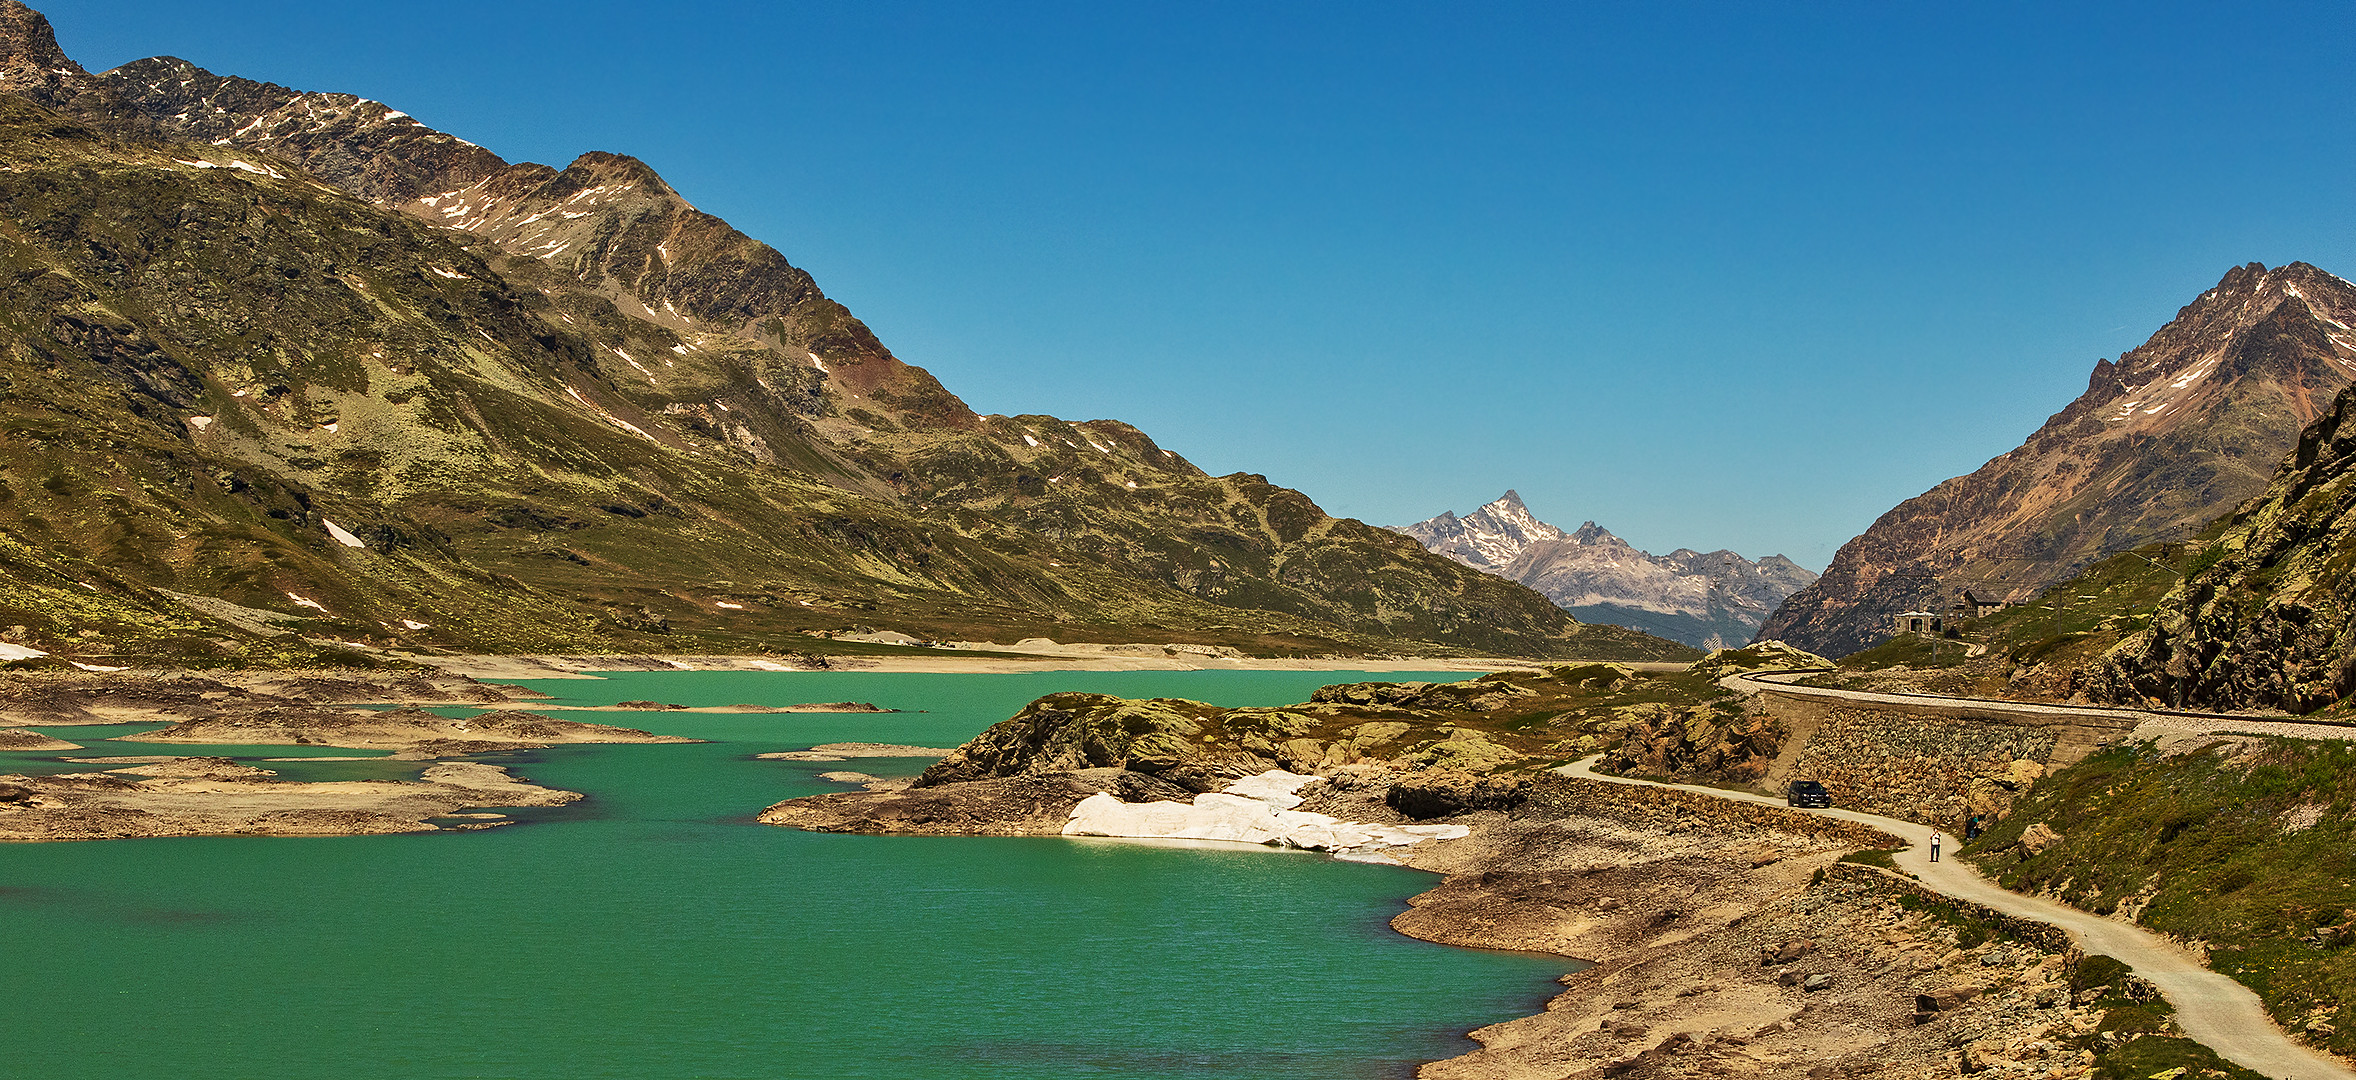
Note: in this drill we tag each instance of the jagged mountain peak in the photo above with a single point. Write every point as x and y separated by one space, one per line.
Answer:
1489 537
1591 533
1708 600
30 61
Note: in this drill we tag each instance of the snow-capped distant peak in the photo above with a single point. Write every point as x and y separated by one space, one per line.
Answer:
1487 538
1688 595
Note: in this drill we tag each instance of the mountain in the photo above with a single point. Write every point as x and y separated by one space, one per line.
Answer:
2266 617
2165 440
275 360
1486 539
1710 600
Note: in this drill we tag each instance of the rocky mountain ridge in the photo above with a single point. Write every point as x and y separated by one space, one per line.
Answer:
2166 439
368 382
1709 600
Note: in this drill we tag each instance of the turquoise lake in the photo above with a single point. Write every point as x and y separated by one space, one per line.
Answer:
654 930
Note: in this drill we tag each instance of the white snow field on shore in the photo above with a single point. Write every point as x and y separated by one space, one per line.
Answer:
1253 810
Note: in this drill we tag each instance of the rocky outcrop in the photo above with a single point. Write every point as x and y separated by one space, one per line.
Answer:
1031 804
1438 793
1706 599
395 729
2270 621
1705 744
20 739
2167 439
219 797
1072 732
1763 656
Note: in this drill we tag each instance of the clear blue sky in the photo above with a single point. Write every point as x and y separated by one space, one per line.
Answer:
1714 275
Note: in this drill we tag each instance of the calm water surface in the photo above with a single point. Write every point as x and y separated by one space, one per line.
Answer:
654 931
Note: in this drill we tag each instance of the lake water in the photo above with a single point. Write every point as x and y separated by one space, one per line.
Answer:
654 931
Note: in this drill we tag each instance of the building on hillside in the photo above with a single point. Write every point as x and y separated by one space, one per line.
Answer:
1921 622
1975 606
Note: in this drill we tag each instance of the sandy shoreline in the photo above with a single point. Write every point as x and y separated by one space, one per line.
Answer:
951 662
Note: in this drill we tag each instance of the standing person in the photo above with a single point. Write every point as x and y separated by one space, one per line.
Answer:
1934 847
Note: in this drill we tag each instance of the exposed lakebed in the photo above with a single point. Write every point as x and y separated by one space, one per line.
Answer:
654 930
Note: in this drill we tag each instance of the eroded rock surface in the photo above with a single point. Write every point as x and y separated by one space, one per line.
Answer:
217 796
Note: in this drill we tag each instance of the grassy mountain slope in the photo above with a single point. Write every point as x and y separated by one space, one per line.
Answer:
2243 845
211 355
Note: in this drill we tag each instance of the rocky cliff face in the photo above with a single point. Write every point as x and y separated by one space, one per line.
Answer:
2269 621
1710 600
2174 434
366 380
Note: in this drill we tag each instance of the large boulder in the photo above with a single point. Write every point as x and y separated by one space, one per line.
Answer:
1431 793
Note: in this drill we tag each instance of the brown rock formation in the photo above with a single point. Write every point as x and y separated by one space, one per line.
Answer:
2270 623
2164 441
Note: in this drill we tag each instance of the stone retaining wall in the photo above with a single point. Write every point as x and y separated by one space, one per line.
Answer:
1935 770
1669 810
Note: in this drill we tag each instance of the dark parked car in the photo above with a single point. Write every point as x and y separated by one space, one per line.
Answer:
1808 794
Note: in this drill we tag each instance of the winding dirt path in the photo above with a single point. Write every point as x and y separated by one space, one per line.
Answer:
2210 1007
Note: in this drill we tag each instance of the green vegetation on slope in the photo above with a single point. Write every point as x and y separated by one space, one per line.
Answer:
208 358
2033 650
2246 845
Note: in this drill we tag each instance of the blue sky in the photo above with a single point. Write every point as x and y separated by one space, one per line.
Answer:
1712 275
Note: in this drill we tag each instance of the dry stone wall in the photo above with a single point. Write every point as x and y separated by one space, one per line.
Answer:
1667 810
1935 770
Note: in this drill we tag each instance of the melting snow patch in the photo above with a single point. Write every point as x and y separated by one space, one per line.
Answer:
18 652
729 606
451 274
819 364
200 422
412 624
1254 810
680 349
312 604
95 667
1030 441
342 536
